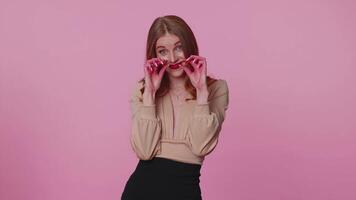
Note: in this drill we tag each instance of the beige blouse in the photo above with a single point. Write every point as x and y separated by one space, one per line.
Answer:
196 130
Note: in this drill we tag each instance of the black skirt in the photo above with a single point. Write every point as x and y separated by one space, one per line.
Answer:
165 179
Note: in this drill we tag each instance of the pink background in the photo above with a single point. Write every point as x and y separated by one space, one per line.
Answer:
67 68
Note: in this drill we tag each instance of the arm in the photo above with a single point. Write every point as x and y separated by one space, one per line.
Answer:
146 126
207 121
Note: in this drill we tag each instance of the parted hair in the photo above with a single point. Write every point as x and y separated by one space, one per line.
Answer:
177 26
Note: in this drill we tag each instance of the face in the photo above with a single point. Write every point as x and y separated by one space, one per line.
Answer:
169 47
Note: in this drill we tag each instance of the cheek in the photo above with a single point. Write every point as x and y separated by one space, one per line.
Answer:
180 54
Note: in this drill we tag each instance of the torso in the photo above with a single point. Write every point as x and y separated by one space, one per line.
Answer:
177 107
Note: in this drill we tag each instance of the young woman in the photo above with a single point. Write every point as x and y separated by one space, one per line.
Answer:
177 115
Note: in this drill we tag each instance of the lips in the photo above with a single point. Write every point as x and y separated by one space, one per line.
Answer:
176 65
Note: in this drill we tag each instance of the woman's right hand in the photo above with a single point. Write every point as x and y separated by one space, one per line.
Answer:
154 69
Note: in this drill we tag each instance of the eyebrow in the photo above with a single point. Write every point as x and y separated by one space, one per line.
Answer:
163 46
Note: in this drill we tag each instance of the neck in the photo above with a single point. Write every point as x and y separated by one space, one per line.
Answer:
177 83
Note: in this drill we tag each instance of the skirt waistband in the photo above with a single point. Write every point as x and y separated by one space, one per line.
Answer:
169 166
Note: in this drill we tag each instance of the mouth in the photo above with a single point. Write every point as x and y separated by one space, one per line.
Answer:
176 65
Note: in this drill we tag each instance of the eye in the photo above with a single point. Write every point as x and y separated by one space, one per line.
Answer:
179 47
163 51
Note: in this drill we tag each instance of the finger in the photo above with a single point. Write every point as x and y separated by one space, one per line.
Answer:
196 60
160 62
189 66
202 66
195 64
147 77
190 61
156 60
149 63
155 63
165 62
187 70
147 70
153 67
200 61
156 66
199 65
190 58
162 71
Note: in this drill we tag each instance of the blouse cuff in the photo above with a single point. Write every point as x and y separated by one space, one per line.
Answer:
202 109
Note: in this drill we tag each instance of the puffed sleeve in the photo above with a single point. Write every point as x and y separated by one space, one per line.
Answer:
207 119
146 127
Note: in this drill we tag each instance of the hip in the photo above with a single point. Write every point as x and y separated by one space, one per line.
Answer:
162 178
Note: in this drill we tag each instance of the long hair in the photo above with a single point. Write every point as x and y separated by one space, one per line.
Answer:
177 26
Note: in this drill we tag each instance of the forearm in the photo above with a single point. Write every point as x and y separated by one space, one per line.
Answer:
202 96
148 98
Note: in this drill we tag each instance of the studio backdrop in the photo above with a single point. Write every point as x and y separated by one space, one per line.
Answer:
68 68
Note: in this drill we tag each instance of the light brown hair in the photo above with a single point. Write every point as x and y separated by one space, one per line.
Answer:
177 26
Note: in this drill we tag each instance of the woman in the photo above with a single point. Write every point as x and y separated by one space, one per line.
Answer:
177 115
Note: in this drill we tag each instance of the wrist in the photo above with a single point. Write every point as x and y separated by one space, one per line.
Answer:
148 98
202 96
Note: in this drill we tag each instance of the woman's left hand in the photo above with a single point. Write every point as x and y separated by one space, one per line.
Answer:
198 76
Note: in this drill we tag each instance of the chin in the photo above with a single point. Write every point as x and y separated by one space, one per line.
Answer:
176 74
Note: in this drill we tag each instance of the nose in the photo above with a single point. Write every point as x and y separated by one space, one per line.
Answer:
173 58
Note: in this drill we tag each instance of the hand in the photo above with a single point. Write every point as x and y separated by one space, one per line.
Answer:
199 73
154 69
